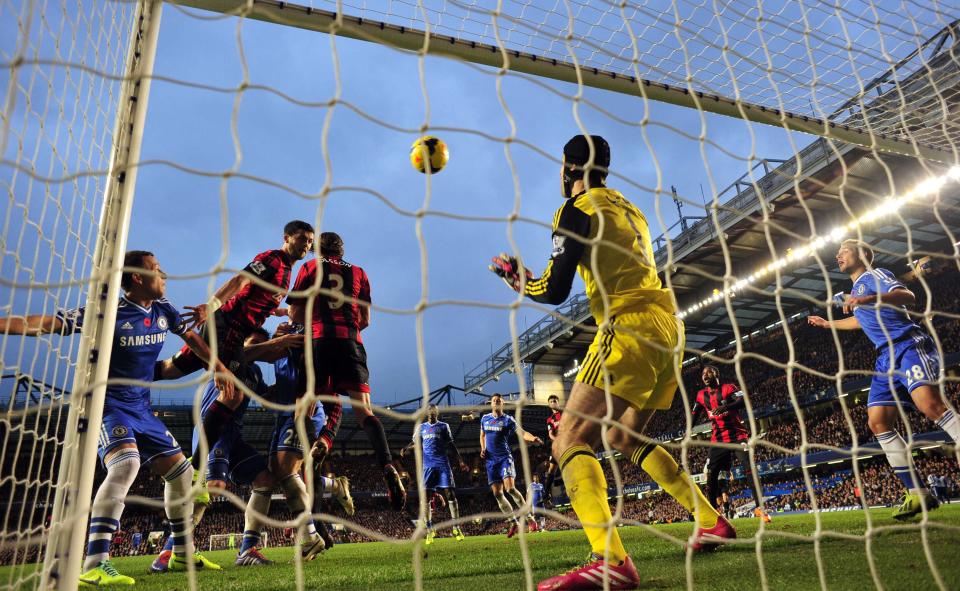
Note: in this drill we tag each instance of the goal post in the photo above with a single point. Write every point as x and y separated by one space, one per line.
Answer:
499 56
67 535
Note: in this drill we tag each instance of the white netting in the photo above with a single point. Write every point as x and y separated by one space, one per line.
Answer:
253 124
60 64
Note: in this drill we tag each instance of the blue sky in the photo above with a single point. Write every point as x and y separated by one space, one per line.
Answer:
179 214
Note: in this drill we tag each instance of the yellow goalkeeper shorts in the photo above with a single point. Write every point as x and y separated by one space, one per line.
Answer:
635 357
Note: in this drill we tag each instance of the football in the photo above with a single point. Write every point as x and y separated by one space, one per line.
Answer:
429 153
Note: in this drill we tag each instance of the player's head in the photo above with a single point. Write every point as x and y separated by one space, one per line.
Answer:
259 335
297 239
150 283
854 255
553 401
710 376
331 245
579 166
496 403
433 413
536 477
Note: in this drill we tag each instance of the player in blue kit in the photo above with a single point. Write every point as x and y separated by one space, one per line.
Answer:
907 368
131 434
536 499
437 441
495 431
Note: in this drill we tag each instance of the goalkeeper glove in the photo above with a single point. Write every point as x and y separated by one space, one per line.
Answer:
510 269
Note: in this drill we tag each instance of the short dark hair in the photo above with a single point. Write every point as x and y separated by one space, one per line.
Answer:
553 397
331 244
577 151
296 226
500 396
710 366
133 259
863 250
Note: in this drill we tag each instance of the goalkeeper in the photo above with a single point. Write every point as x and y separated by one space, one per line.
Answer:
635 356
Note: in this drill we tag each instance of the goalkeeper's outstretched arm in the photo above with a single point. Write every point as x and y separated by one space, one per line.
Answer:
553 286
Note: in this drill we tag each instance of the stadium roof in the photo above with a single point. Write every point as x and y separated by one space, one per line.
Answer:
776 206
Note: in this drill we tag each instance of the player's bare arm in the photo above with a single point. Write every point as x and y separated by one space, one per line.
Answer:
850 323
529 437
273 349
406 448
198 314
31 326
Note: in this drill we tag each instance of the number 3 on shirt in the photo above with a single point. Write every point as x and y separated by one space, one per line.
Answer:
336 284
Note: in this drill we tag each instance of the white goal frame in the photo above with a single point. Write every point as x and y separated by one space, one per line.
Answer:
63 556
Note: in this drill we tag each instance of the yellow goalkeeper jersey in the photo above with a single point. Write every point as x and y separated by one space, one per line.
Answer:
618 260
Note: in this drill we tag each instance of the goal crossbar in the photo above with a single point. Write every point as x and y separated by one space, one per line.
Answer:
417 40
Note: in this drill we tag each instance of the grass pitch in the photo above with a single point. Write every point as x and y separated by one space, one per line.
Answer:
494 563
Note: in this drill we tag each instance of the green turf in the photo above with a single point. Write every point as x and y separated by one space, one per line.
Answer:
493 563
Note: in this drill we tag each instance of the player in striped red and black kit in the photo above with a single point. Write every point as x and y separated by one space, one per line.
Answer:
553 422
722 404
236 311
340 312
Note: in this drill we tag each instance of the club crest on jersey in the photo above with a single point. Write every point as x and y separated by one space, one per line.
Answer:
126 326
119 431
558 246
218 452
162 323
860 289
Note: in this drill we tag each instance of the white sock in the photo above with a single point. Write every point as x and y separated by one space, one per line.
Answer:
178 502
108 505
505 505
898 457
518 499
298 499
454 507
950 424
325 485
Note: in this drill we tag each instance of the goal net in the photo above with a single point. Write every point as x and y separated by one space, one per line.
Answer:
754 137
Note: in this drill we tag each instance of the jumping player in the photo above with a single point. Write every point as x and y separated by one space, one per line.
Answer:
722 403
238 308
436 442
495 430
131 434
907 366
340 313
553 423
634 359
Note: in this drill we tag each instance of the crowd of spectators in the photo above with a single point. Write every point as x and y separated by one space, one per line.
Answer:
812 357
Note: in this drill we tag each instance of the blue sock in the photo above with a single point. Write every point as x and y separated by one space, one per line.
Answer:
169 544
250 540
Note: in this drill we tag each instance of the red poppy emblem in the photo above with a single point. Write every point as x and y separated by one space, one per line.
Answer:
146 322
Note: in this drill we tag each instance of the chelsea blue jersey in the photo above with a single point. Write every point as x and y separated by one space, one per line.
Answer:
137 340
894 321
436 440
287 375
536 491
496 432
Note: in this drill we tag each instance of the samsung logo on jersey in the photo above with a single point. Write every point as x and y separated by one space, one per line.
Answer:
140 340
492 428
429 435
